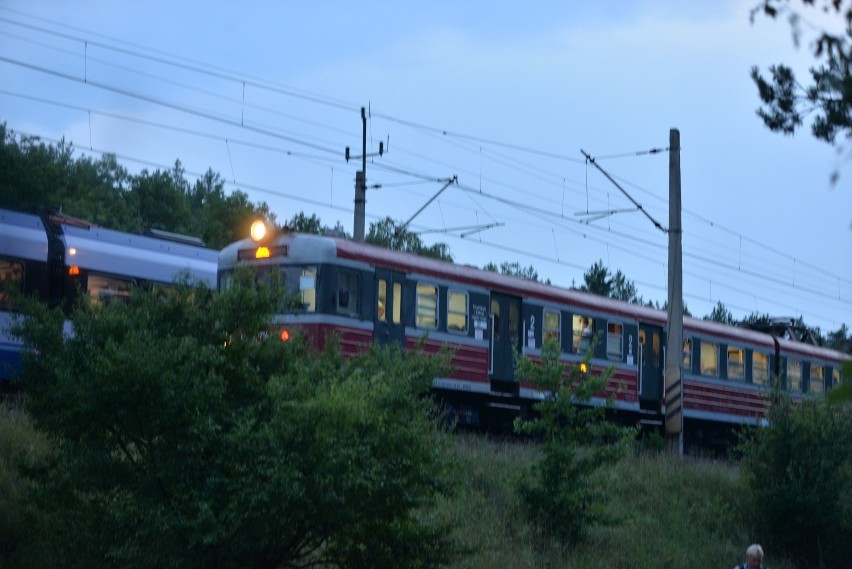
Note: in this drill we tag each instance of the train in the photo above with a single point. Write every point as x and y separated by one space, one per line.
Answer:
54 257
365 294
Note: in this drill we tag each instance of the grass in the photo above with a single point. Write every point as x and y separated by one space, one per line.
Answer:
665 511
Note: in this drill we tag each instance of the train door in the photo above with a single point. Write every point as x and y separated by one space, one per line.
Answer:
389 326
505 340
650 364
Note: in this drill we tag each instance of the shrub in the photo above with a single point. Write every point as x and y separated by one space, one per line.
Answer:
797 474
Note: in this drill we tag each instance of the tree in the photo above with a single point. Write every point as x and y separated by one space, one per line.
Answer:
596 280
625 290
797 473
515 269
562 493
720 313
186 439
786 102
386 233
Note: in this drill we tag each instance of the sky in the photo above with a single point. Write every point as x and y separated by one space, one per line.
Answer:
504 96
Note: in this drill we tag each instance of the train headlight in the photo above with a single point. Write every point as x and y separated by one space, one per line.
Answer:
258 230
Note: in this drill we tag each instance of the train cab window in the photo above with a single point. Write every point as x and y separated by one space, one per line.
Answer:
614 340
457 311
736 363
760 368
348 293
11 281
103 290
687 354
584 330
382 302
551 330
817 384
794 376
709 363
308 289
427 306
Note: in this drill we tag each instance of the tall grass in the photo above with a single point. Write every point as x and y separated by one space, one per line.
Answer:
665 512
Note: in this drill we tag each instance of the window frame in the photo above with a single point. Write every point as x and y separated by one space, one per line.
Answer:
610 335
550 332
425 311
742 363
821 378
351 277
578 333
790 367
456 313
701 365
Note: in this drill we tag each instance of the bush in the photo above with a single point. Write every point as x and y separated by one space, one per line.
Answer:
798 478
562 493
185 439
23 539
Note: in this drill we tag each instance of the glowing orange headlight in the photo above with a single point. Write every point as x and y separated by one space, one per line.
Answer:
285 335
73 270
262 253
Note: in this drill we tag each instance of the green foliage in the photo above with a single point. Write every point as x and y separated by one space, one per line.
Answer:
386 233
184 438
562 493
720 313
597 280
797 473
786 101
516 270
38 175
23 532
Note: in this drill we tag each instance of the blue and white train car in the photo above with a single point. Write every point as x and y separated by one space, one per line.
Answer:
54 257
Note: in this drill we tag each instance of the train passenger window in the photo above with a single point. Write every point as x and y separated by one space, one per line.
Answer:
11 281
427 306
104 290
551 330
736 363
397 303
613 340
709 364
584 330
348 293
760 368
817 379
835 377
381 308
794 376
687 354
457 311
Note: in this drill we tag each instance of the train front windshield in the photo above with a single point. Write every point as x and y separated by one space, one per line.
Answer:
300 280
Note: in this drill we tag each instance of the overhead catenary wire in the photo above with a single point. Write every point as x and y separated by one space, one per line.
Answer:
835 281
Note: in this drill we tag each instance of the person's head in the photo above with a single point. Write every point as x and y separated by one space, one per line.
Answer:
754 556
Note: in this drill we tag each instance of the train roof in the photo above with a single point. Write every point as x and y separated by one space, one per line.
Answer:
23 235
317 249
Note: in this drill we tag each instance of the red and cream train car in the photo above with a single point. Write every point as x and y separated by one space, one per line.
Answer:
366 294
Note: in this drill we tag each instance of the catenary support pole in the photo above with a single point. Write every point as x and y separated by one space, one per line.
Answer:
674 346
